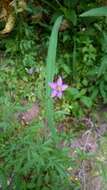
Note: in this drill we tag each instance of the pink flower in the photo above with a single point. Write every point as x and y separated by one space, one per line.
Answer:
57 88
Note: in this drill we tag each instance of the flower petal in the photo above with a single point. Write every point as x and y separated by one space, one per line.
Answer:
52 85
59 94
54 93
59 81
64 87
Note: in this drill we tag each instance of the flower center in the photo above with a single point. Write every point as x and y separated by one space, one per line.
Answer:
59 88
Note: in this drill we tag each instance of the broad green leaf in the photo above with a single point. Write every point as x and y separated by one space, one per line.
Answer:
103 66
101 11
71 16
86 101
74 92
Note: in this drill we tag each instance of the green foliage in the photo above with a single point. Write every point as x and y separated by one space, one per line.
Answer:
78 102
21 46
102 71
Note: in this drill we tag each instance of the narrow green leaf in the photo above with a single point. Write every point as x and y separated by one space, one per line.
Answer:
50 71
101 11
103 91
74 60
94 93
3 180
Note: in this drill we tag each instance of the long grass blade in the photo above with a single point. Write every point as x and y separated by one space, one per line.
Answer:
101 11
50 72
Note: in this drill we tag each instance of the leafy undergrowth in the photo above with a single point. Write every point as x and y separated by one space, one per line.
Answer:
30 156
28 150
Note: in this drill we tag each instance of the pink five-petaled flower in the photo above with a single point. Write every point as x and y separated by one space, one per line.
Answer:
57 88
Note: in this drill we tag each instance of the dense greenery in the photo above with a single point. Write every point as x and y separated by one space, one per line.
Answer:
40 41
